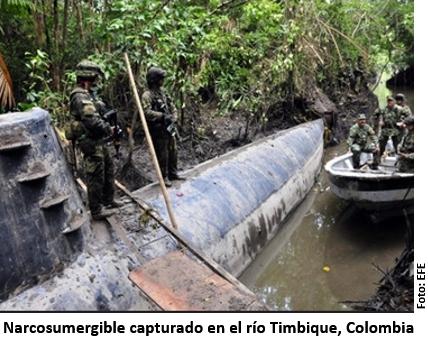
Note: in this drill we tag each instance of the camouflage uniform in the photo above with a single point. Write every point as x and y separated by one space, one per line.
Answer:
159 111
405 112
407 147
390 117
90 131
361 139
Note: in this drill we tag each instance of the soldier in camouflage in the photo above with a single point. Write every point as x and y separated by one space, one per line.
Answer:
405 112
161 116
406 148
362 138
90 131
387 124
405 109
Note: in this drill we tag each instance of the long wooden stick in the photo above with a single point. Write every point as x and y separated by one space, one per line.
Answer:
150 144
210 263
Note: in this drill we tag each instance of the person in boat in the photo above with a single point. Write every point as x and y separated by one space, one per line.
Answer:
406 148
362 138
387 124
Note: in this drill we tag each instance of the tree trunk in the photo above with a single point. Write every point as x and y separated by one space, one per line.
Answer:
64 38
38 24
55 16
56 79
79 17
64 25
45 25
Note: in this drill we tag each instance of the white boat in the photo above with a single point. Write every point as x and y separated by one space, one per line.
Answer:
374 190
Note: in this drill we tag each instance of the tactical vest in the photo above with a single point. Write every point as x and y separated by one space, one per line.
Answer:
159 103
74 128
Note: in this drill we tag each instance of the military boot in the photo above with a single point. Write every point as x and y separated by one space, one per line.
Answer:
103 213
356 162
176 177
167 182
114 204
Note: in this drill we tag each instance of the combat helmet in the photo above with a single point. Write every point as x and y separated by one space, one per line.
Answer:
154 74
361 116
400 97
89 70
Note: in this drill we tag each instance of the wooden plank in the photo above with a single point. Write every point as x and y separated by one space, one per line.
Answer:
213 265
177 282
162 297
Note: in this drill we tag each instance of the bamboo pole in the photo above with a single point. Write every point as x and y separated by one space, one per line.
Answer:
210 263
150 144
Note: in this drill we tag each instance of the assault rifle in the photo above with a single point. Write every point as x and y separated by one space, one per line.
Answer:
171 127
170 124
111 118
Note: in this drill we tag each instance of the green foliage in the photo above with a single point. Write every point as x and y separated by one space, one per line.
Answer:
39 92
247 51
16 4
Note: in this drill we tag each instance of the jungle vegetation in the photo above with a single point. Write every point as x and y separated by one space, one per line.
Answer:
241 53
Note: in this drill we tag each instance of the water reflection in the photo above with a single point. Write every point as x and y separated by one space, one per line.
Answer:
327 252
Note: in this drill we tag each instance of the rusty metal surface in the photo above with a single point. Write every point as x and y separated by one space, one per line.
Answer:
176 282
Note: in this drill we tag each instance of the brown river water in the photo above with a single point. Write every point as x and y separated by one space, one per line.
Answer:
327 251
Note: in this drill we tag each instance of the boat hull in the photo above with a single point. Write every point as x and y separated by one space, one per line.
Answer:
371 190
374 198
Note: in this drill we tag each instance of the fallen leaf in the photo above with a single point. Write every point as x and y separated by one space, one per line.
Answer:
326 268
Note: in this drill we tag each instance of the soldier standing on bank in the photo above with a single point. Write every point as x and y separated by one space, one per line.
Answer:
362 138
161 116
405 112
90 132
387 123
406 148
405 109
